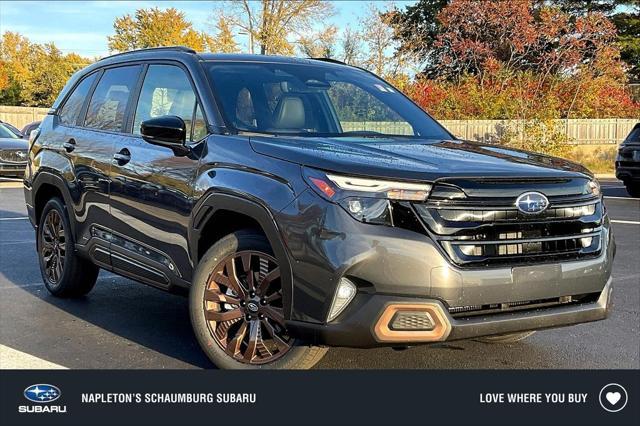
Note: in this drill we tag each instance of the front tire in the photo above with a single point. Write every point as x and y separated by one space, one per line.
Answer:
506 338
236 308
64 273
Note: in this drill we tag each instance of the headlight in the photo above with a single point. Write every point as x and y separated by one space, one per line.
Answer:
391 190
594 187
365 199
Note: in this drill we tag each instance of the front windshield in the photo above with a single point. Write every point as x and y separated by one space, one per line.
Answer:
315 100
6 133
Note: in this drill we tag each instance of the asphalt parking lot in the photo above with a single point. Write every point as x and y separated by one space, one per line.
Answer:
122 324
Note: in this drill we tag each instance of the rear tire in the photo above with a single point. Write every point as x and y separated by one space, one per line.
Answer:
633 189
236 308
506 338
64 273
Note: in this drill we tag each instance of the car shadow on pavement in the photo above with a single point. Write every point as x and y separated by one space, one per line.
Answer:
120 324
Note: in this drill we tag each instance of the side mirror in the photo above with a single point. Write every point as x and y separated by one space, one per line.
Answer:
168 130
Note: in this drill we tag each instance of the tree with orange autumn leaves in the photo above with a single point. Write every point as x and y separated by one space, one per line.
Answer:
525 60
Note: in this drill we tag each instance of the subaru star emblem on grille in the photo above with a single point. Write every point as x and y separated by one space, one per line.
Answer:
42 393
532 203
21 154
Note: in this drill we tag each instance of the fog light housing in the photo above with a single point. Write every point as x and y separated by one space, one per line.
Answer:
345 293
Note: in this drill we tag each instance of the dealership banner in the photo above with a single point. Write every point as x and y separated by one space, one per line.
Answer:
423 397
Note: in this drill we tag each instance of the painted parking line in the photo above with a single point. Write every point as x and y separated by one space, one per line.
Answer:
10 185
12 359
620 198
14 218
11 243
12 286
626 222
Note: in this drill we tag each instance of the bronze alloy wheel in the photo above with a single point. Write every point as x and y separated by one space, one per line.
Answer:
243 308
53 246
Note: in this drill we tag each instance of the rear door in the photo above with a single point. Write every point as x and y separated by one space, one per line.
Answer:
91 145
151 192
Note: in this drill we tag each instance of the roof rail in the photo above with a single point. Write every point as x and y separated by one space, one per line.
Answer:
333 61
153 49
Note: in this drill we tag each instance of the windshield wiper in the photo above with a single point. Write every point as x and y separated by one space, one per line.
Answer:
363 133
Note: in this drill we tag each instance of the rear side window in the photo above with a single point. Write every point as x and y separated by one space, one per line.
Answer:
109 101
71 109
166 91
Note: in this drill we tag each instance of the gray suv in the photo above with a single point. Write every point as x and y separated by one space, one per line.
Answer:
304 204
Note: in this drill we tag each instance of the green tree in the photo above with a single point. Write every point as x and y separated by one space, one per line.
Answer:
155 27
628 25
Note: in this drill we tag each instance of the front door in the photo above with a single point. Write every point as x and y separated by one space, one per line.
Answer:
151 190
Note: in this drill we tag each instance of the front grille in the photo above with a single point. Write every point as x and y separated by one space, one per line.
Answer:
488 229
18 156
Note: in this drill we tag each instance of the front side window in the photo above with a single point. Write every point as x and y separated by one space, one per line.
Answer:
316 100
166 91
109 101
72 107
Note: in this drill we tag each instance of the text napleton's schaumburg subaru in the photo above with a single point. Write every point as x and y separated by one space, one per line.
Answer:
306 204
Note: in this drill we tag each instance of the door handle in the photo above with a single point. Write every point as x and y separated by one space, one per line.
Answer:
121 158
69 145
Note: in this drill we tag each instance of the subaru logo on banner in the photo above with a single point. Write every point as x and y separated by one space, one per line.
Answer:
532 202
42 393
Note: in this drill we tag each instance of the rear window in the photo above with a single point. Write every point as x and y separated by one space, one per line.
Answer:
110 99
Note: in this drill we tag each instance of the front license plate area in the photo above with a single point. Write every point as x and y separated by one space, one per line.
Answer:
536 282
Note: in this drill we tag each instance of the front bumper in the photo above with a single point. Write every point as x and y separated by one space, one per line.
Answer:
393 266
358 328
12 170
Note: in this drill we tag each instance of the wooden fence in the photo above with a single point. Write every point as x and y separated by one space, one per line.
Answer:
578 131
20 116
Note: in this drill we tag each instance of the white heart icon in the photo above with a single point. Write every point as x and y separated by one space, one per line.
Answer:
613 397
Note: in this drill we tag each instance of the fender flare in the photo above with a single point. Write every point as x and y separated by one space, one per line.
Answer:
215 201
45 177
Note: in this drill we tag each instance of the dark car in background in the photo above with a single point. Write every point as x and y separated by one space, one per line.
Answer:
26 130
13 153
305 204
11 128
628 162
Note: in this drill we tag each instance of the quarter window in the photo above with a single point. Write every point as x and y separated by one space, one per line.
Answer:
109 101
199 125
167 91
71 110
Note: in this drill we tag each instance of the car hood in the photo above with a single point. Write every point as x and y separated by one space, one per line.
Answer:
414 159
9 143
